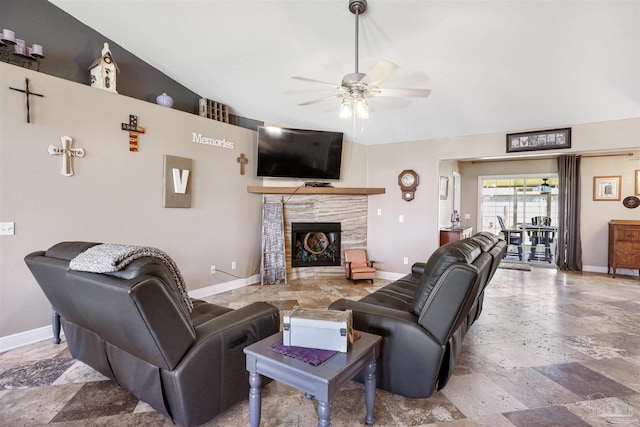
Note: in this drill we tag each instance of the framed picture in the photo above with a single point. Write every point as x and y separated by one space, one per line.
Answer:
606 187
539 140
444 188
637 181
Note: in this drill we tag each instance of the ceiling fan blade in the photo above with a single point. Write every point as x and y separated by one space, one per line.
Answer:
418 93
305 79
309 91
314 101
380 71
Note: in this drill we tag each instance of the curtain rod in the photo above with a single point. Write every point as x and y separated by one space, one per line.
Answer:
609 155
549 157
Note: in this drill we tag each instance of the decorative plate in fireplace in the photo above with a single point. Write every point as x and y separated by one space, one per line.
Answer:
316 242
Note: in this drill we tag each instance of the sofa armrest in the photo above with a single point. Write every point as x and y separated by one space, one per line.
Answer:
379 319
373 309
418 267
213 371
262 318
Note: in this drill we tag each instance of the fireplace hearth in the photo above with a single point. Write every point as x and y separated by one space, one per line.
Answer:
315 244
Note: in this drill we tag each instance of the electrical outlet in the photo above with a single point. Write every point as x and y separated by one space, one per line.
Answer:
467 216
405 260
7 228
213 269
401 218
379 212
234 265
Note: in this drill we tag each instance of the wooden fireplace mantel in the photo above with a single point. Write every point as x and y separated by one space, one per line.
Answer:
315 190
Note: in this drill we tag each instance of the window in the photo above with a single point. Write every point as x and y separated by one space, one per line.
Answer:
518 200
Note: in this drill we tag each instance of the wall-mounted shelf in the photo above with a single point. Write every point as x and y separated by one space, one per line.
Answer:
315 190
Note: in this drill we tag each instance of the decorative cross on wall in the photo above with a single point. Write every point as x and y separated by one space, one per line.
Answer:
243 161
27 92
67 153
134 130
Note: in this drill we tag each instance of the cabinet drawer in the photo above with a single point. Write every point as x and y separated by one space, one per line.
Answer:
628 260
627 235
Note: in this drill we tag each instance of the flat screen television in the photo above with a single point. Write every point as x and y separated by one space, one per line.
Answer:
299 153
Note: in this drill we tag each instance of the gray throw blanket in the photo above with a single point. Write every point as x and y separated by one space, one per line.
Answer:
109 257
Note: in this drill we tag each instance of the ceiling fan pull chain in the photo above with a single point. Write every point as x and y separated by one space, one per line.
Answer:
355 135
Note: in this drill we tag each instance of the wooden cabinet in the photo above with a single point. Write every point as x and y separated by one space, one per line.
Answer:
624 245
452 234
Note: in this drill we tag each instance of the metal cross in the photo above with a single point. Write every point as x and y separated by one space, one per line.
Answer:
134 130
27 92
67 153
243 161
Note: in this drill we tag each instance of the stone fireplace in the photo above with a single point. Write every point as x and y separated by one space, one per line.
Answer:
315 244
350 211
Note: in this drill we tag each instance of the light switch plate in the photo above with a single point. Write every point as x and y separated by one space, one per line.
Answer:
7 228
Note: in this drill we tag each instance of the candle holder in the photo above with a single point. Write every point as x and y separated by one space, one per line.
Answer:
14 51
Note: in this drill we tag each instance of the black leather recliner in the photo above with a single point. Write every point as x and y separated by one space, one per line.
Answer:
424 316
133 327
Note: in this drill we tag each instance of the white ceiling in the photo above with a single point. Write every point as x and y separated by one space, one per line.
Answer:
493 66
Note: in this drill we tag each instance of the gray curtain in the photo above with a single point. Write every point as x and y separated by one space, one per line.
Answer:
569 247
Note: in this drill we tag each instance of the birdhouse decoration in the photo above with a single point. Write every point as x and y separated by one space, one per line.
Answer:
103 71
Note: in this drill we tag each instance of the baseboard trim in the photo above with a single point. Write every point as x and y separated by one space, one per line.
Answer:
223 287
25 338
387 275
605 270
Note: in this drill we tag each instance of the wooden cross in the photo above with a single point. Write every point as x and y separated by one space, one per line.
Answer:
243 161
134 130
67 153
27 92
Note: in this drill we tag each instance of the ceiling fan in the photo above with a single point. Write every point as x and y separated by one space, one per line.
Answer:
356 88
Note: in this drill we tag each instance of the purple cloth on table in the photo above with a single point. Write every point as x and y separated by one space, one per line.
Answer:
314 356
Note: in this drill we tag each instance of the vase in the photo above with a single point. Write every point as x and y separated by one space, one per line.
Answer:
164 100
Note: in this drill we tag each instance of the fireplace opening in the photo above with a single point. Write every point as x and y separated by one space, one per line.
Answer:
315 244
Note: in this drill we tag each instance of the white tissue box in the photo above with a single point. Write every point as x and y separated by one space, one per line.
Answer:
321 329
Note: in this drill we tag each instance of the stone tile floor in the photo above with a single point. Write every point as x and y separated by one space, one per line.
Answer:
550 349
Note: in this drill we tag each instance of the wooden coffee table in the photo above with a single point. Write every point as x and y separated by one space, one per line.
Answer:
322 381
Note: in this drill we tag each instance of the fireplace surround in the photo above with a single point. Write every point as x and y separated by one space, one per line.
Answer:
349 210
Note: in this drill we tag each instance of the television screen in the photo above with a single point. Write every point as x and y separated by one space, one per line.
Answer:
299 153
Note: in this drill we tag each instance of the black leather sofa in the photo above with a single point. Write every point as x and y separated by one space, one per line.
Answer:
424 316
132 326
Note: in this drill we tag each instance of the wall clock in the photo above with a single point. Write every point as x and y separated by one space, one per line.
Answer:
408 180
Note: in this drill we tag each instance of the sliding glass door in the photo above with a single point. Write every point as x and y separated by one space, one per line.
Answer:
524 211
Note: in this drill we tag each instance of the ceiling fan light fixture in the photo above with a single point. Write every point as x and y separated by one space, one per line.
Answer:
361 108
346 110
356 89
545 188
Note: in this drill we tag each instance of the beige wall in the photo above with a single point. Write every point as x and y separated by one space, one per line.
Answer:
116 195
596 214
471 171
417 237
